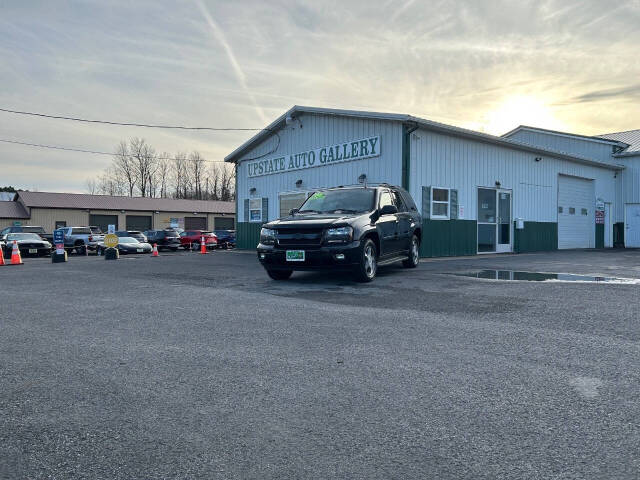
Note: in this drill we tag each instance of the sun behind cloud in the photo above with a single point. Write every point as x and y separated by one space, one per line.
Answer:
520 110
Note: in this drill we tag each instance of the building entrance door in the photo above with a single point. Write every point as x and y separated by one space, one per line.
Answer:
495 229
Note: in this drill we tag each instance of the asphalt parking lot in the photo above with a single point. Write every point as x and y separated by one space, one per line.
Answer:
200 366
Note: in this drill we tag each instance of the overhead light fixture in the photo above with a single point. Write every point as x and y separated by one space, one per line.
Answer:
299 183
252 191
538 159
362 178
498 183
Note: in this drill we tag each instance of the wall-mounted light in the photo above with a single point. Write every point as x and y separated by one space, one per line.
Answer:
252 191
157 212
538 159
122 211
498 183
299 183
195 213
362 178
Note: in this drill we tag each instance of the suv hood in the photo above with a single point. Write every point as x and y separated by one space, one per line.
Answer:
312 221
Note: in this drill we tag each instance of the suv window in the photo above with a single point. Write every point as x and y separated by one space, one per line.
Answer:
397 201
81 231
385 199
408 200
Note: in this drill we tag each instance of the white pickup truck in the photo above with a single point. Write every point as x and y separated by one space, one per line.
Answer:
80 239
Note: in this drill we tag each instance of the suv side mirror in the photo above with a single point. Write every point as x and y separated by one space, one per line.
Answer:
293 211
388 210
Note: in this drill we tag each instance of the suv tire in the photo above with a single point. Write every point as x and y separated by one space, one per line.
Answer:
279 274
368 266
414 254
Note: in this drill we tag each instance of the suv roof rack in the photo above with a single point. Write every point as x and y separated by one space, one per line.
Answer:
368 184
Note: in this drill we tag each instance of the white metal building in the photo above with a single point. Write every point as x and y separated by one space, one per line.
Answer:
478 193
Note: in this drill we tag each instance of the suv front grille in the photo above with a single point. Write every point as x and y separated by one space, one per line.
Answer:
300 238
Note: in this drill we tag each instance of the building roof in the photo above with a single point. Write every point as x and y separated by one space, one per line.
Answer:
421 122
630 137
597 139
7 196
12 210
107 202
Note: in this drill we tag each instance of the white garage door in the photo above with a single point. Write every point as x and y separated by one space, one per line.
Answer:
576 205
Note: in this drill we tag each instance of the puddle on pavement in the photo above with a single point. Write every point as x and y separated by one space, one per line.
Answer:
543 277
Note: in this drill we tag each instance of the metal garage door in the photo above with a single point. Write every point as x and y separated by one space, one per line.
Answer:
103 221
576 206
139 222
224 223
195 223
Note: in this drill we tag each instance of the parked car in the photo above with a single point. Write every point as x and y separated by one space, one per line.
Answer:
79 239
29 229
132 233
127 245
165 239
29 244
345 228
226 238
191 239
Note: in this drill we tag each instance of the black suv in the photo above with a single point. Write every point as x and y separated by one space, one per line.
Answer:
344 228
168 239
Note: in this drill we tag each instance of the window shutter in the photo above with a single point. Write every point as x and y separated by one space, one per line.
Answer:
246 209
426 203
265 209
453 207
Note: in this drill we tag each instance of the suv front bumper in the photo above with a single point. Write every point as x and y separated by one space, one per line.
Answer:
326 257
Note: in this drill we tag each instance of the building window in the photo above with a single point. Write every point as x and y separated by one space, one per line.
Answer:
289 201
440 203
255 209
559 209
60 224
585 211
572 211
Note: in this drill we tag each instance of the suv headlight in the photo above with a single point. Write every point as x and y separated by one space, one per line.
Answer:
267 236
338 235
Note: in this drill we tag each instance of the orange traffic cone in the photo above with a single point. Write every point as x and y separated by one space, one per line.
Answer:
155 250
16 259
203 246
1 257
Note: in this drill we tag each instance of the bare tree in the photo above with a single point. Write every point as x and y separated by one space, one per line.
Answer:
179 174
162 175
91 186
143 159
196 168
226 182
124 167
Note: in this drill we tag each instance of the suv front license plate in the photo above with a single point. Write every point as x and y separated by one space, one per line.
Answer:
295 255
33 250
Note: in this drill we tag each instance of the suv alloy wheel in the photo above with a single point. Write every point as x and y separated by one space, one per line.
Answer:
366 270
414 254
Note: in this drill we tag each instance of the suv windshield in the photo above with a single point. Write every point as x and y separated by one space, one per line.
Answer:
33 229
340 201
80 231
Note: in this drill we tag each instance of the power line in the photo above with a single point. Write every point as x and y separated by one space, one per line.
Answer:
129 124
69 149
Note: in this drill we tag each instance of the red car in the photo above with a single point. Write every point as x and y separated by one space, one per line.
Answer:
191 239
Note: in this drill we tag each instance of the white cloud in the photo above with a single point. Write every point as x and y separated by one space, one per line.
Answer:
166 62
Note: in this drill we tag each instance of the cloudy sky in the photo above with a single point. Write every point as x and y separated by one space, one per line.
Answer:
488 65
